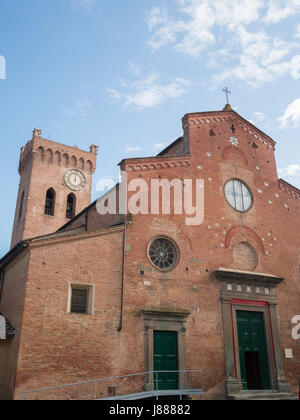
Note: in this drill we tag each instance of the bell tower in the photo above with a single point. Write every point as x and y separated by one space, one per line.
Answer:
55 185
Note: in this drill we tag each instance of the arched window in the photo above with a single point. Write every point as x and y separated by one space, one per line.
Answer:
21 205
71 206
50 202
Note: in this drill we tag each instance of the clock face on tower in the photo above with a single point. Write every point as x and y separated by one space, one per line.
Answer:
75 180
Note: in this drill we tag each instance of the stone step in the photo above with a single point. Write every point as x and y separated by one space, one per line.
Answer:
262 395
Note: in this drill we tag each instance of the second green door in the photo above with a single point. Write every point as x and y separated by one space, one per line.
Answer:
253 350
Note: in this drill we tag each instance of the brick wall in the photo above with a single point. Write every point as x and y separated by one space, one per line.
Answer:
58 347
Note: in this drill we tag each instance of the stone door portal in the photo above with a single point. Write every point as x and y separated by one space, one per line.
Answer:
251 331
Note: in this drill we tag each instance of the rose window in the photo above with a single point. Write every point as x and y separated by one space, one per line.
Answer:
163 254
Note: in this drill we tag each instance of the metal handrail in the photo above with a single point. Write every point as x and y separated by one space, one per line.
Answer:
97 381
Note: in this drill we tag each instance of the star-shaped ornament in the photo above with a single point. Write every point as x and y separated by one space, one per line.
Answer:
234 141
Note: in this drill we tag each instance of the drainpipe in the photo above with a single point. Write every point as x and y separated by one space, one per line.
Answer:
123 277
1 284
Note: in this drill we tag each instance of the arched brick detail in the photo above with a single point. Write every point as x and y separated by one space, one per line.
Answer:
73 162
89 166
66 160
81 164
57 158
245 256
49 156
243 233
234 150
41 153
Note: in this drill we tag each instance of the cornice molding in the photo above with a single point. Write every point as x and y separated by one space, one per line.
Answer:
155 163
294 192
246 277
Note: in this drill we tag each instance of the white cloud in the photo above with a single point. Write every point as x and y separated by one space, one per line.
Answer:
87 86
290 170
89 6
295 67
165 35
291 115
262 58
149 92
80 109
256 56
281 9
135 69
160 146
259 116
131 149
69 112
195 33
156 16
114 94
83 107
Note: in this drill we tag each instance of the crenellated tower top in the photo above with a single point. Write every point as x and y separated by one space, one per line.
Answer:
53 153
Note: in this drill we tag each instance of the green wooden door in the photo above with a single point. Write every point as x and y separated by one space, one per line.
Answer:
253 350
165 358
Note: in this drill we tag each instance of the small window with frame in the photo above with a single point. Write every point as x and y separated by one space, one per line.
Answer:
81 299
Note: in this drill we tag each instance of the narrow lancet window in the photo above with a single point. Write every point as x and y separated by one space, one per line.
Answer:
50 202
71 206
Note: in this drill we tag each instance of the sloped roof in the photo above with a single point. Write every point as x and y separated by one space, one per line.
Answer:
175 143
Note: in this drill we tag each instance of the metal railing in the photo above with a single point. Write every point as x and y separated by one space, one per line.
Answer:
138 389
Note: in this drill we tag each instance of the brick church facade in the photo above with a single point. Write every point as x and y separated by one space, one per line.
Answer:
88 296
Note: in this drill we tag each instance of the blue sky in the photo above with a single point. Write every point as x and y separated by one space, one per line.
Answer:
122 73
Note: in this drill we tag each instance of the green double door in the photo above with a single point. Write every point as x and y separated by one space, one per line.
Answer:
253 350
165 358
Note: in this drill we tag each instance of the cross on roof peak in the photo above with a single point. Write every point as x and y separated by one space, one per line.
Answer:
228 92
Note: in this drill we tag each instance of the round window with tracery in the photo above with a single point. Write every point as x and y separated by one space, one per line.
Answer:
163 254
238 195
